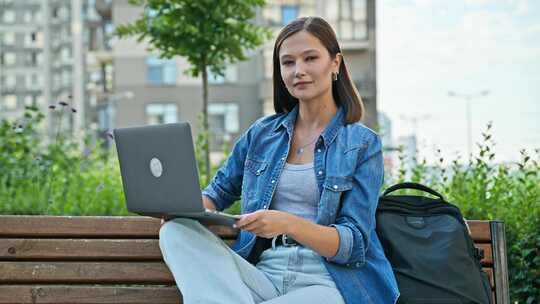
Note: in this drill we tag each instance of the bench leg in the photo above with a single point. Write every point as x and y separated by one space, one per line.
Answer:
206 270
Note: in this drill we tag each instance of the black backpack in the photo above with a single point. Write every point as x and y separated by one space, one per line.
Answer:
429 247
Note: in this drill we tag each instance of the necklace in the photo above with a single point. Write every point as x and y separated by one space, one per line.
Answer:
301 149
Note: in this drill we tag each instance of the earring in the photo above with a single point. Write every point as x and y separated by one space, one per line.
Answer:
334 76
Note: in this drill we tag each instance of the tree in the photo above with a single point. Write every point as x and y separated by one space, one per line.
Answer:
209 33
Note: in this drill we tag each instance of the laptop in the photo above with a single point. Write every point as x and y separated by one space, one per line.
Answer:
159 173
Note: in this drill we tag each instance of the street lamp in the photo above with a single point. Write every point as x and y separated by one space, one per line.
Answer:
112 107
468 98
414 119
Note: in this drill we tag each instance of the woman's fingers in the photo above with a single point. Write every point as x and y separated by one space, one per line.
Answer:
252 226
246 220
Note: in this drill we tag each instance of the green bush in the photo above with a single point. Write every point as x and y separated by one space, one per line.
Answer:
55 178
58 179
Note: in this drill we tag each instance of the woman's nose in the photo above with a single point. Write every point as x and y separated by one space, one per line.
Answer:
299 71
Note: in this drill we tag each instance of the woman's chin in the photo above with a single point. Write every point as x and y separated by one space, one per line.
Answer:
304 96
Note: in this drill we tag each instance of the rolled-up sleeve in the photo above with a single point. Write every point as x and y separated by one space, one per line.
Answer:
226 186
355 221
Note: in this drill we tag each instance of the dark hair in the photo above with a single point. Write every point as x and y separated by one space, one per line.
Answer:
343 89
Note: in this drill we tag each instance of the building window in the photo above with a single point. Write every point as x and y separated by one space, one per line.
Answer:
10 81
229 75
10 59
223 121
37 16
159 113
31 81
352 20
32 59
29 100
288 13
349 18
10 102
65 54
9 38
9 16
223 118
63 13
214 78
28 17
161 71
66 78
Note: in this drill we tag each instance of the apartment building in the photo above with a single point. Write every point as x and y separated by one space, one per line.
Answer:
62 50
48 51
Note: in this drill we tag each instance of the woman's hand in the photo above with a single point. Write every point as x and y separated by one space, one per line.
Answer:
208 203
267 223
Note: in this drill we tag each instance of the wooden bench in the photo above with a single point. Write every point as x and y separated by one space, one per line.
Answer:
45 259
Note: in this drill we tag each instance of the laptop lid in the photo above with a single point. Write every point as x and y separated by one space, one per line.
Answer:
159 170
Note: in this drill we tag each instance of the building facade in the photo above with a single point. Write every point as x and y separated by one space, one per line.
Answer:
62 50
48 51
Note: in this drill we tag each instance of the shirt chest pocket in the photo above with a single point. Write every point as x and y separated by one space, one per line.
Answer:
254 173
255 167
334 187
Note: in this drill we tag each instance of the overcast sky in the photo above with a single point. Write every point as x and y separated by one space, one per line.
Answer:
426 48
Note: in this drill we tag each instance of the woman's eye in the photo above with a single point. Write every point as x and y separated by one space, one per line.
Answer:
309 58
287 62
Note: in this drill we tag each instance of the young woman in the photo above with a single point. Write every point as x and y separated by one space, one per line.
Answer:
308 178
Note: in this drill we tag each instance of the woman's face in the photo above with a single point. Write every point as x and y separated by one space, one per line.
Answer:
306 66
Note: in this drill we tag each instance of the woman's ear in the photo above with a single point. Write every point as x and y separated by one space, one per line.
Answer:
336 62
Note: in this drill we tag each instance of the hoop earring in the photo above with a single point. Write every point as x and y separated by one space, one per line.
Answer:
334 76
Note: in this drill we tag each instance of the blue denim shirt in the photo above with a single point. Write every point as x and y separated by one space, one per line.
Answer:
349 170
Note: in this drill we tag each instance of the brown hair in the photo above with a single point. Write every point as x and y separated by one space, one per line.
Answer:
343 89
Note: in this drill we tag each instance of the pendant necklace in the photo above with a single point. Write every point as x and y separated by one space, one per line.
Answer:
301 149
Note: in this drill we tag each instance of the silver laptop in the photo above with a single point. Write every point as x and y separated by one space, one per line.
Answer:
159 173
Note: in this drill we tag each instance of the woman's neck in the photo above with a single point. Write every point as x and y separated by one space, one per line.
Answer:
316 114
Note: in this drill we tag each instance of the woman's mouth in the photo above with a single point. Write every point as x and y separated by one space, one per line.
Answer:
301 84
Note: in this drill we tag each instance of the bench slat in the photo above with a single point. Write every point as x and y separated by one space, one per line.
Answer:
88 294
82 249
489 272
488 254
89 226
85 272
107 249
480 231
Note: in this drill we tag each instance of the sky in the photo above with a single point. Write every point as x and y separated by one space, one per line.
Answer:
427 48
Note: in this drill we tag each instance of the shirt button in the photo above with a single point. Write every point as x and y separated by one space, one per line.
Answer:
335 187
264 206
283 158
320 172
273 181
319 150
348 265
258 172
358 264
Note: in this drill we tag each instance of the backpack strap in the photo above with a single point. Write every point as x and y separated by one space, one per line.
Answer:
415 186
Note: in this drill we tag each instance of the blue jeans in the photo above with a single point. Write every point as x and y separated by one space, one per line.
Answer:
207 270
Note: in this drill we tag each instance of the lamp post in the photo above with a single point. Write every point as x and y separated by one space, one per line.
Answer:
112 107
414 119
468 98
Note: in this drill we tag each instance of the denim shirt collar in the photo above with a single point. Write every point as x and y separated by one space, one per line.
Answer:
329 133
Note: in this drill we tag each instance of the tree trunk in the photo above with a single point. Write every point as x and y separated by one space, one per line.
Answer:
206 147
